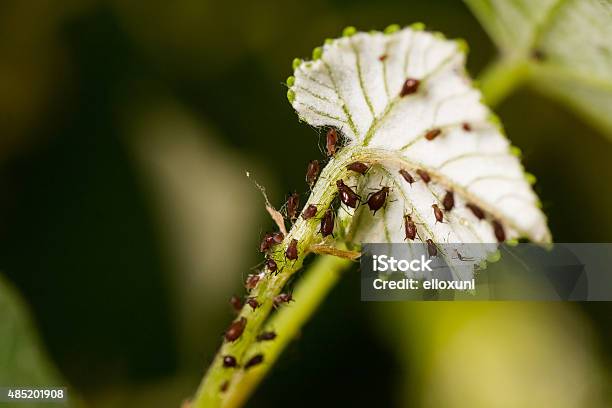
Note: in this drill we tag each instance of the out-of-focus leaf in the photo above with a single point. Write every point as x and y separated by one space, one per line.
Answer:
22 360
565 43
194 183
494 354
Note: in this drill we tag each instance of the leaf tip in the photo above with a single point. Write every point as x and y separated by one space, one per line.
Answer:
296 63
349 31
417 26
494 257
291 95
462 45
290 81
495 121
328 41
438 35
392 28
530 178
317 53
516 151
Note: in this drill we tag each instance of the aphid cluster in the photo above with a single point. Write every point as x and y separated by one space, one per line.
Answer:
448 204
326 217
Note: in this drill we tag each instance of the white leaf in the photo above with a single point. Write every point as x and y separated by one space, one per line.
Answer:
355 85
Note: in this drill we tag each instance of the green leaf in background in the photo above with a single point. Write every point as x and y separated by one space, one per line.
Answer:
22 360
561 47
460 351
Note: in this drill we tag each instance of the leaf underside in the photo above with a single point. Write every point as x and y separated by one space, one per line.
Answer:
355 85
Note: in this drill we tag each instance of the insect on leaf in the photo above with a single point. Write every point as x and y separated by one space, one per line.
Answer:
402 100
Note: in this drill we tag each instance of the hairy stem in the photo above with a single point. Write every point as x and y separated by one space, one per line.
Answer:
214 390
501 78
320 278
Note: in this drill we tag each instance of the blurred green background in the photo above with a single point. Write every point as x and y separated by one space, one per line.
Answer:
126 128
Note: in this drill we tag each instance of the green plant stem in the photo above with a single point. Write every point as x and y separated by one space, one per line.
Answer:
309 293
501 77
210 393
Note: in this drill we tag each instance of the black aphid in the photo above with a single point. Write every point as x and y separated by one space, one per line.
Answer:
282 298
235 330
424 175
327 223
500 234
251 281
438 213
292 250
236 303
266 336
477 211
407 176
293 204
432 134
255 360
432 250
358 167
253 303
271 265
309 212
347 196
312 172
378 199
409 227
449 201
410 86
331 140
229 361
